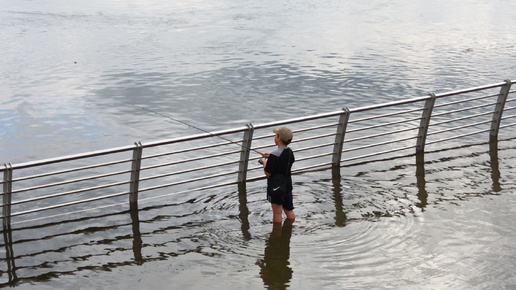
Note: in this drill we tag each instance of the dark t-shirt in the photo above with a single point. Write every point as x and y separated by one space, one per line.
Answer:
277 164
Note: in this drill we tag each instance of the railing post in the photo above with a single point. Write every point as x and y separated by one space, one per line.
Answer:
339 137
133 201
135 172
6 212
7 190
425 123
244 155
497 115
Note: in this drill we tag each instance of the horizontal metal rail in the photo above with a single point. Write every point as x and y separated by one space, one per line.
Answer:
460 127
314 147
314 156
106 164
464 101
306 168
381 134
71 181
70 192
380 122
387 105
379 144
199 148
188 170
190 190
464 109
189 160
73 157
188 180
379 153
385 115
315 128
315 137
462 118
509 109
508 117
384 125
470 90
69 204
459 136
508 125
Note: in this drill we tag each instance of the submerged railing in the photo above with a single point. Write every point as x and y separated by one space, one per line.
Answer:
151 170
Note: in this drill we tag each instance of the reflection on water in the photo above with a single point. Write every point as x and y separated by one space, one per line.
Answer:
495 170
275 268
243 211
422 194
9 256
340 215
137 236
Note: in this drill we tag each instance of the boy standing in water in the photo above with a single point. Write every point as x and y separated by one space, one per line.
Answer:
280 162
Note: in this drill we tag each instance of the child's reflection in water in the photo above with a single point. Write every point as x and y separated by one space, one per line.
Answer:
274 267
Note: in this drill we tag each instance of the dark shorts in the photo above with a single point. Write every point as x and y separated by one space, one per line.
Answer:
285 200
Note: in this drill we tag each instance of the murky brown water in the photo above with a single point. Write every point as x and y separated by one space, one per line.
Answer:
69 72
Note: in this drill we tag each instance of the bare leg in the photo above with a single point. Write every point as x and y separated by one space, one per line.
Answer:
277 211
290 215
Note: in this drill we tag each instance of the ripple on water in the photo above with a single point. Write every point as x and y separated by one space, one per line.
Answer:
359 254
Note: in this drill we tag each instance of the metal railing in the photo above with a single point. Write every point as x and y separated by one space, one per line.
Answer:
151 170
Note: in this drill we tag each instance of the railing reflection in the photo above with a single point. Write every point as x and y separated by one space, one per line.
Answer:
422 194
243 211
340 215
137 236
35 264
9 256
495 170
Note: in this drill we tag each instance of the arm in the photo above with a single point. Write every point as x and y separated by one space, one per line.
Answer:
265 164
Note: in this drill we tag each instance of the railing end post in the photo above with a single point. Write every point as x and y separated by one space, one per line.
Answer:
7 190
244 155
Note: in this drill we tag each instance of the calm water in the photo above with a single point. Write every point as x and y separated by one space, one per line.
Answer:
70 72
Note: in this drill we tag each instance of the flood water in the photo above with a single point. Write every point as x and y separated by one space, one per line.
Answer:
72 75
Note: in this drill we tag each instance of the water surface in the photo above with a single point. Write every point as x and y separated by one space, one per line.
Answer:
70 72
